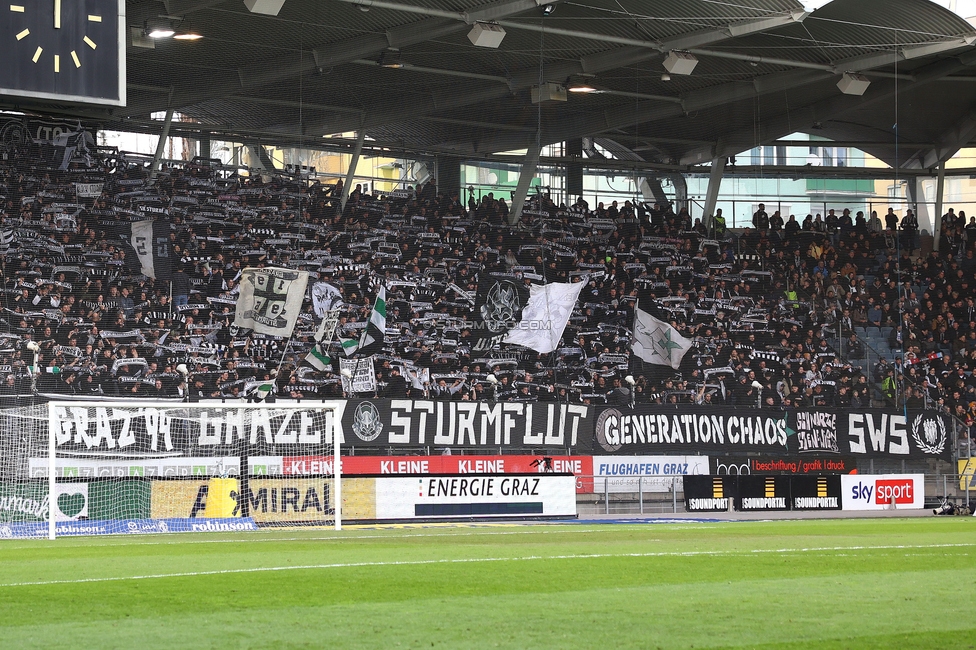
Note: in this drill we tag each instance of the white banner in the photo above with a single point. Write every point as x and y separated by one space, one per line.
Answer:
150 467
141 240
646 473
327 327
545 316
882 491
437 497
88 190
657 342
325 298
363 378
270 300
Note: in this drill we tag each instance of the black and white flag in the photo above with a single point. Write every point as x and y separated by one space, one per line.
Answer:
150 239
270 300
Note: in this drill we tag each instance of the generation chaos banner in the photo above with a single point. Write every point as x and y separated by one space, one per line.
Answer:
717 431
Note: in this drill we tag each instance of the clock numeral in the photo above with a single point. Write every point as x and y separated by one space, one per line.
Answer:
74 57
90 43
57 63
17 8
24 34
94 19
37 54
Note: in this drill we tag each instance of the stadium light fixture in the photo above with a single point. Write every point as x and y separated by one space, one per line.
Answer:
486 35
680 62
264 7
853 84
391 59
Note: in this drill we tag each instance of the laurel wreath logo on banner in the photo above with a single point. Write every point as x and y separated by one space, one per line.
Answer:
931 439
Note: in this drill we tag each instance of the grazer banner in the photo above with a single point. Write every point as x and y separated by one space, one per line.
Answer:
739 465
227 430
866 433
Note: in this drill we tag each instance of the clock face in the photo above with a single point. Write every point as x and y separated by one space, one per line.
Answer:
63 49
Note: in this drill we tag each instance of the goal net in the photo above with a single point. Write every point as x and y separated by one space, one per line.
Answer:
85 468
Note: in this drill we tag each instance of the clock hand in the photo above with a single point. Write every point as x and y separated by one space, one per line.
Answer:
57 14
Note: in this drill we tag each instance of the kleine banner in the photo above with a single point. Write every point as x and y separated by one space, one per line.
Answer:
579 466
883 491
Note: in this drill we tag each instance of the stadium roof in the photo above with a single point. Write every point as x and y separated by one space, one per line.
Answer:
766 68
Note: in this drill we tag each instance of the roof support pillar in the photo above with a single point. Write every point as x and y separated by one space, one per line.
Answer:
161 145
350 174
574 170
937 218
525 179
711 194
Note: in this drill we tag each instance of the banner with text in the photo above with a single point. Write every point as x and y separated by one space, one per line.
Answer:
644 473
438 497
703 430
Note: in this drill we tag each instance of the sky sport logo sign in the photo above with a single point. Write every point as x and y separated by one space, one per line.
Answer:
861 492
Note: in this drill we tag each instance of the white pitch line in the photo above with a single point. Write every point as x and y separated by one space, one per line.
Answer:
115 541
524 558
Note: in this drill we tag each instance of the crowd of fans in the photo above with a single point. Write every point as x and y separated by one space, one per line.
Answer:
770 309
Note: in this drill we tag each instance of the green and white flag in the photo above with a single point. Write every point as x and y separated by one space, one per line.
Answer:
349 346
372 339
657 342
318 358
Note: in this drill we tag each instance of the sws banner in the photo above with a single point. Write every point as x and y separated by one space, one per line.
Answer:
716 431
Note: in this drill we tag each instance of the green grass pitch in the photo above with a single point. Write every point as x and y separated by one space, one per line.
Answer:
881 583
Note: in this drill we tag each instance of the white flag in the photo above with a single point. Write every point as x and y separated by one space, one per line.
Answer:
270 300
657 342
325 297
545 316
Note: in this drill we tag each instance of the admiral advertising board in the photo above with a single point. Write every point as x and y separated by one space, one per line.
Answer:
718 431
299 499
617 474
883 491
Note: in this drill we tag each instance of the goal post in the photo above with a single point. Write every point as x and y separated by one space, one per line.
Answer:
81 467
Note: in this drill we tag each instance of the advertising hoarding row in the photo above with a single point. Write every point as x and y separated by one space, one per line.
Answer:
810 492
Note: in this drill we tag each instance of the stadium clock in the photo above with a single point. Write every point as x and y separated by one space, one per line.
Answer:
70 50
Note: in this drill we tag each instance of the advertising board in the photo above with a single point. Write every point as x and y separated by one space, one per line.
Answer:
881 491
616 474
506 495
